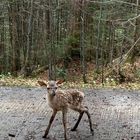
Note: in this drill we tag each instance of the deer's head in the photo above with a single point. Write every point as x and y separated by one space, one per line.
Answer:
51 86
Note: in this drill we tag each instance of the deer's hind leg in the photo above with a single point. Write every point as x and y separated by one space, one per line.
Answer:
78 121
90 122
82 110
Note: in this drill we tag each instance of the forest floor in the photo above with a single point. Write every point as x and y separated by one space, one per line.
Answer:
115 113
73 77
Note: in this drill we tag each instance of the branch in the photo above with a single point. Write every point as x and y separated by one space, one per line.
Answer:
128 3
113 1
130 20
125 56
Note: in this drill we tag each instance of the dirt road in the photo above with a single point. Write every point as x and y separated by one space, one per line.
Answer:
25 114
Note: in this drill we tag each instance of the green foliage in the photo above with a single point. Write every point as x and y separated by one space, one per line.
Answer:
137 73
119 33
61 73
3 75
72 40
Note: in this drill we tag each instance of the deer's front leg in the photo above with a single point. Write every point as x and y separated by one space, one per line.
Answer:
90 122
64 114
50 122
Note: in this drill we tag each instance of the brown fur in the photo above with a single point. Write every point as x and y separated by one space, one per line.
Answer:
62 100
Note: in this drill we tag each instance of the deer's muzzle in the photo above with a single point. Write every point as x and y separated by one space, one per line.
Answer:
53 92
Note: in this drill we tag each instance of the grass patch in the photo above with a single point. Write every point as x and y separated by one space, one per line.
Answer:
32 82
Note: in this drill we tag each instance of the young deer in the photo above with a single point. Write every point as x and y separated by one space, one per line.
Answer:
61 100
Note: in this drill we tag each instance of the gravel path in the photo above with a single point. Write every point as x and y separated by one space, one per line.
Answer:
25 114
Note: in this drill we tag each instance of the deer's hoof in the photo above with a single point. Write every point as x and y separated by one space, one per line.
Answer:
73 129
44 136
92 132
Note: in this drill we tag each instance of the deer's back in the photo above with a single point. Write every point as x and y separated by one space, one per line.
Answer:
66 99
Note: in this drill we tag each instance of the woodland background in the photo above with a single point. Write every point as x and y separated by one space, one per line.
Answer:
92 41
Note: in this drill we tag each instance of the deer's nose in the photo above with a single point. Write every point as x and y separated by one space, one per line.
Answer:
53 92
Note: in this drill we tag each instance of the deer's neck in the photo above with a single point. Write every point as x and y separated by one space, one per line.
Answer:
50 97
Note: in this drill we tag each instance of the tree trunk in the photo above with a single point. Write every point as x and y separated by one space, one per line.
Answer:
82 38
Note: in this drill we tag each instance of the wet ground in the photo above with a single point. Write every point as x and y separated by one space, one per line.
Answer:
24 114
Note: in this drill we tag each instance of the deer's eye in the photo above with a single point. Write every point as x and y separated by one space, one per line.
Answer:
48 88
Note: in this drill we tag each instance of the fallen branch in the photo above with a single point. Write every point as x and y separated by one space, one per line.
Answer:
120 60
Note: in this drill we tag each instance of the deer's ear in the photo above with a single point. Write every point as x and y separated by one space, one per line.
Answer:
41 83
59 82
